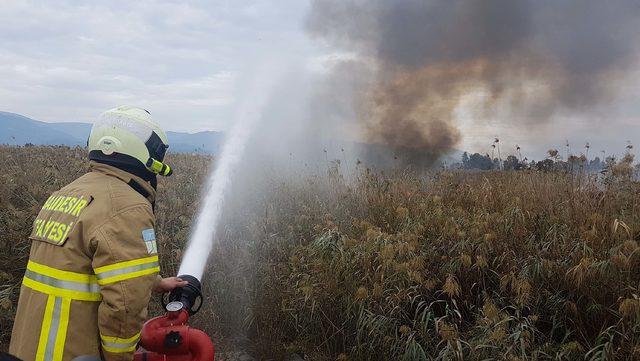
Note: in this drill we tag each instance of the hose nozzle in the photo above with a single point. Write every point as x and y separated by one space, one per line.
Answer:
188 295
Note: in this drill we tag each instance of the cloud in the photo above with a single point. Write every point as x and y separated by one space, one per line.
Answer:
190 62
69 61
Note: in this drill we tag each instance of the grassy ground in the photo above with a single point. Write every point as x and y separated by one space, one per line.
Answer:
451 265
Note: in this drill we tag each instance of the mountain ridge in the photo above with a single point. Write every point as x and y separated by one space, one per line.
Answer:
17 129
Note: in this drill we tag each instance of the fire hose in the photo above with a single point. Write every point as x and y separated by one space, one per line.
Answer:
169 337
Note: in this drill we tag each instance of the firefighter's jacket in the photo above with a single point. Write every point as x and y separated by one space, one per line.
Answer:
92 266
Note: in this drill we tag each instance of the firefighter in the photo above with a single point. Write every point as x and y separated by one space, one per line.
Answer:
93 262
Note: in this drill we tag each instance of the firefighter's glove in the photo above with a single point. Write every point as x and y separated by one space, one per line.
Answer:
168 284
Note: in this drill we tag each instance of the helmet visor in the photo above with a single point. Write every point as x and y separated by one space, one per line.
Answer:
156 147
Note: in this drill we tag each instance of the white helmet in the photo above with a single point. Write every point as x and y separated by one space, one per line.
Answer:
129 131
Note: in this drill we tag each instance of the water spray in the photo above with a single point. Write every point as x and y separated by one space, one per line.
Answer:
249 113
201 243
169 337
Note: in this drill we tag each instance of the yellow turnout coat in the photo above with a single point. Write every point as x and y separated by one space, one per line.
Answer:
92 266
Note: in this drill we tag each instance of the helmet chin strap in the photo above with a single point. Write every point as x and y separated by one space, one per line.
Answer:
153 181
126 163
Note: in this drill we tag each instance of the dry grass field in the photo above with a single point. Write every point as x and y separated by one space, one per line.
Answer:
451 265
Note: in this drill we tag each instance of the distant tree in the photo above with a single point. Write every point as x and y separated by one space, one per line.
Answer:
496 163
512 163
596 165
545 165
465 159
479 161
573 163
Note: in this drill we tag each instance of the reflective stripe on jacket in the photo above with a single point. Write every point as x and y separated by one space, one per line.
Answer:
91 269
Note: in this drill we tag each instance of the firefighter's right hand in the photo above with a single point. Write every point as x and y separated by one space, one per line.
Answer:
168 284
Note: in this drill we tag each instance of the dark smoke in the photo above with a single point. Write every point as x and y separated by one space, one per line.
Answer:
535 56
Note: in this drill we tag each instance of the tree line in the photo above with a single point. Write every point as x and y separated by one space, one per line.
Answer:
553 162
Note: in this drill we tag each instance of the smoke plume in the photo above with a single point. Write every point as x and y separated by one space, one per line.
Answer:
534 57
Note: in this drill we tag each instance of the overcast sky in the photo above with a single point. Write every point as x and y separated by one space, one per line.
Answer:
71 60
187 62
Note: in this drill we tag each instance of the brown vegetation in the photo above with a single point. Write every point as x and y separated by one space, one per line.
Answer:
450 265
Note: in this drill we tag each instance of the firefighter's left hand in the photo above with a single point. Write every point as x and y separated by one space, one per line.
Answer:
168 284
